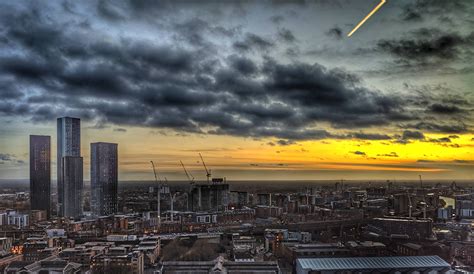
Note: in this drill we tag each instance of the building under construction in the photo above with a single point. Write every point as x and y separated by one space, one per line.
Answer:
212 196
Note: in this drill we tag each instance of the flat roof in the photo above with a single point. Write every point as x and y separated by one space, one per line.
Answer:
401 262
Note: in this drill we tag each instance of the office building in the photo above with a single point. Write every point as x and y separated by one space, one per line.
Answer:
104 181
40 173
464 206
73 186
18 220
68 144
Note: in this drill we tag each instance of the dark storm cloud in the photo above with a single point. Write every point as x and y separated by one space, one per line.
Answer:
351 135
29 67
391 154
369 136
183 84
410 14
8 91
335 32
253 41
437 95
272 112
454 127
419 10
412 135
408 135
286 35
285 142
243 65
359 153
159 86
428 46
444 109
330 95
108 10
440 140
277 19
194 31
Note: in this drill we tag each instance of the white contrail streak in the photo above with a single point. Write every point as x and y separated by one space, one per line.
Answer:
367 17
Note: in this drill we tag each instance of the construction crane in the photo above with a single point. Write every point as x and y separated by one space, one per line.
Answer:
159 194
191 184
190 177
208 171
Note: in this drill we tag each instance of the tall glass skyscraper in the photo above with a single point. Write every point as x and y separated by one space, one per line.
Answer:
40 173
69 145
73 186
104 178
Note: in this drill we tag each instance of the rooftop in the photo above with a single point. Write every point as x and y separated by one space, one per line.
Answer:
354 263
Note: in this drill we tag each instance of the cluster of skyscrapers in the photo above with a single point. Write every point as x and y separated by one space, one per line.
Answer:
70 183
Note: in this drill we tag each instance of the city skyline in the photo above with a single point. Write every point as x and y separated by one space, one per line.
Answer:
237 136
264 90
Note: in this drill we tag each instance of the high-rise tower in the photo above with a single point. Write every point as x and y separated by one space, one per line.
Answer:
73 186
40 173
69 145
104 181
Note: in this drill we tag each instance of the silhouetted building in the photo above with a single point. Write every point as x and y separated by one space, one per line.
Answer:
69 144
73 186
104 182
209 197
40 173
